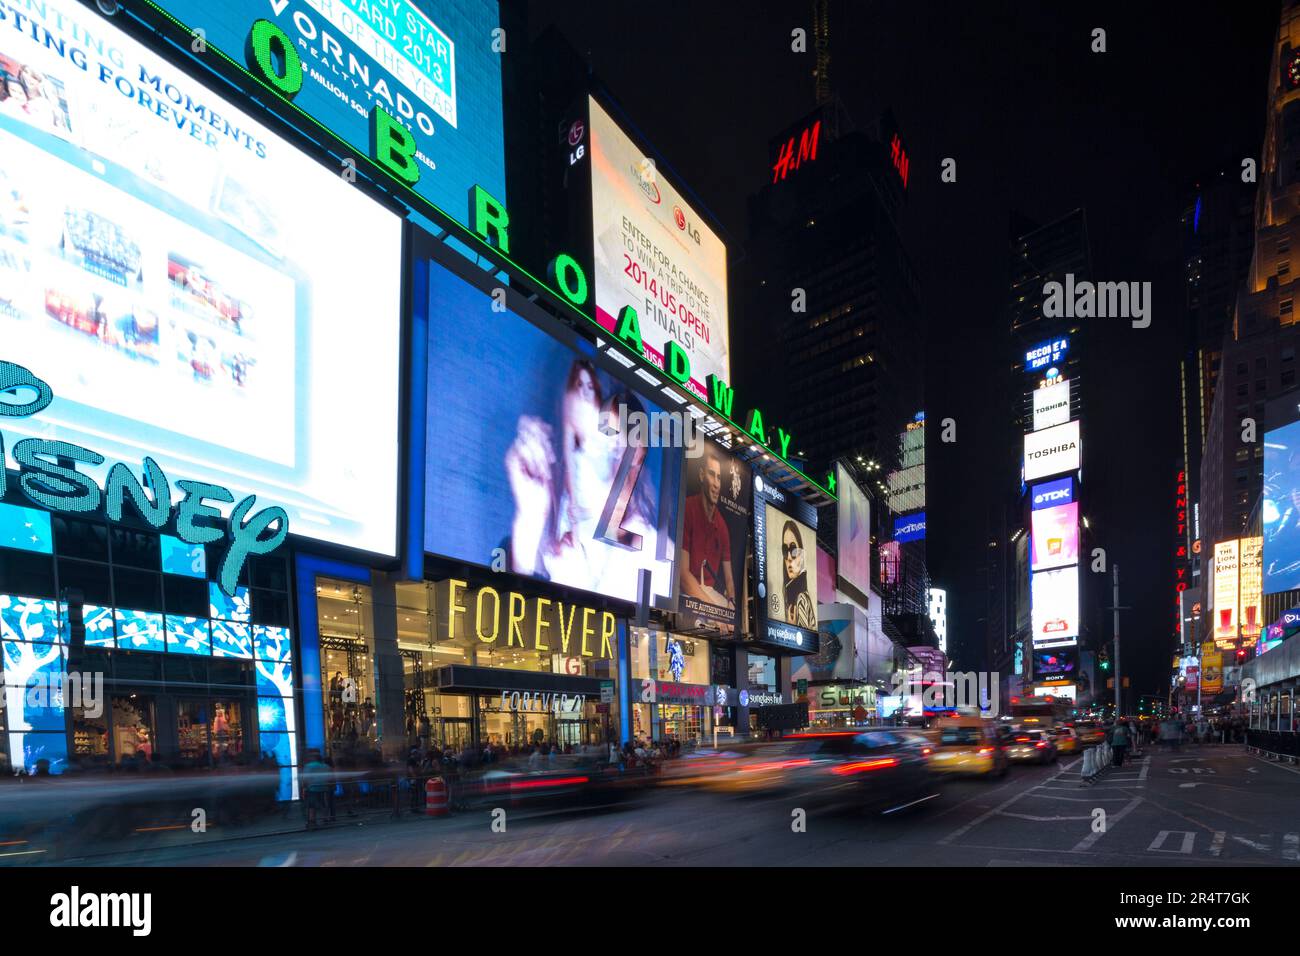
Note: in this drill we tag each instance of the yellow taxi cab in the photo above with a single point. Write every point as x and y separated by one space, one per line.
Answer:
1067 740
967 745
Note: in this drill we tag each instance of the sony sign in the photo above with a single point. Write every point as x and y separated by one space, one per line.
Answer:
1052 451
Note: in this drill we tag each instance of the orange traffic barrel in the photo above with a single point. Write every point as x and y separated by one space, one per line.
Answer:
435 797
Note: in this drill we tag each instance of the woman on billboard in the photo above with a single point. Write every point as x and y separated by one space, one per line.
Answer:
799 608
581 517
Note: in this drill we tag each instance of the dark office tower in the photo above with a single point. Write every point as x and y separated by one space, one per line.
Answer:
1259 347
833 317
1217 227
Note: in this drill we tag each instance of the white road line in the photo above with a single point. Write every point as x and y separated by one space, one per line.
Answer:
1275 764
1087 842
1261 847
1044 796
1216 845
1028 816
960 831
1291 846
1157 845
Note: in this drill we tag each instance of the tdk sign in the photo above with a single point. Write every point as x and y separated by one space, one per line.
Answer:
1052 493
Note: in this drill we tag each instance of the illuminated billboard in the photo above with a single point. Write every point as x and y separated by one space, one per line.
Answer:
1250 590
1226 570
784 562
187 283
1046 354
853 535
1055 536
525 470
654 253
1280 509
1052 405
1050 494
431 64
909 528
1052 451
715 530
1055 607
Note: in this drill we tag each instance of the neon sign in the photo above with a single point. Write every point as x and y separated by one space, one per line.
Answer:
788 160
900 158
48 477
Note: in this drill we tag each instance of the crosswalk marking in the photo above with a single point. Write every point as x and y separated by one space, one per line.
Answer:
1291 846
1157 845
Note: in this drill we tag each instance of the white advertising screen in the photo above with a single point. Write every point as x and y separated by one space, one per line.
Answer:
191 286
1226 591
1052 451
1055 601
1052 405
853 533
655 254
1055 536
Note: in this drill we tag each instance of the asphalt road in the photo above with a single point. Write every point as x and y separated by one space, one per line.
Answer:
1203 806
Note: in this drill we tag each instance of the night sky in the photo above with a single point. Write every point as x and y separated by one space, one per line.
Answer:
1037 123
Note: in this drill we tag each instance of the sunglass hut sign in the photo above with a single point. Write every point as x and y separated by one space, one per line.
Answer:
48 477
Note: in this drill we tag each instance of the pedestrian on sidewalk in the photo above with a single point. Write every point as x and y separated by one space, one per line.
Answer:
1119 742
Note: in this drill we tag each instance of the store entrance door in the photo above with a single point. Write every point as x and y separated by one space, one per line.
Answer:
456 733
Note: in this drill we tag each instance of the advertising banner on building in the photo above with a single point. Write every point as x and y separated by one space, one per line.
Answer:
654 253
1251 589
909 527
1050 494
1056 666
1055 536
1052 405
784 564
890 559
1280 506
184 280
1052 451
715 530
1211 668
1055 607
1022 583
841 628
429 63
1226 578
853 537
528 468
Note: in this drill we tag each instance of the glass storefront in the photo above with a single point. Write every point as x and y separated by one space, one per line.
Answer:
489 632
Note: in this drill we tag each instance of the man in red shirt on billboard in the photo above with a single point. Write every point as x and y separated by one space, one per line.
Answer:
706 541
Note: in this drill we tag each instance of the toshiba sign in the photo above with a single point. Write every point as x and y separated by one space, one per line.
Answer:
1052 405
1052 451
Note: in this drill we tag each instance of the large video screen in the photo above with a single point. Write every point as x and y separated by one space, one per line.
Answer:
1281 509
715 531
433 64
791 589
191 286
654 253
530 467
1055 536
853 535
1055 607
1052 451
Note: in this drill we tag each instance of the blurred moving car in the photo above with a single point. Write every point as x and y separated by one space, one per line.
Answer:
1067 740
1090 732
1032 746
968 745
881 770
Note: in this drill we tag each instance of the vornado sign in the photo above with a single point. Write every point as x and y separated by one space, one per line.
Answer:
509 619
48 476
1052 451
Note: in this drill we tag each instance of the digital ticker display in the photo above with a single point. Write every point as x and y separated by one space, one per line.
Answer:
180 277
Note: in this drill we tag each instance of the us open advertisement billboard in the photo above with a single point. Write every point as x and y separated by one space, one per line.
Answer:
429 63
655 253
177 273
